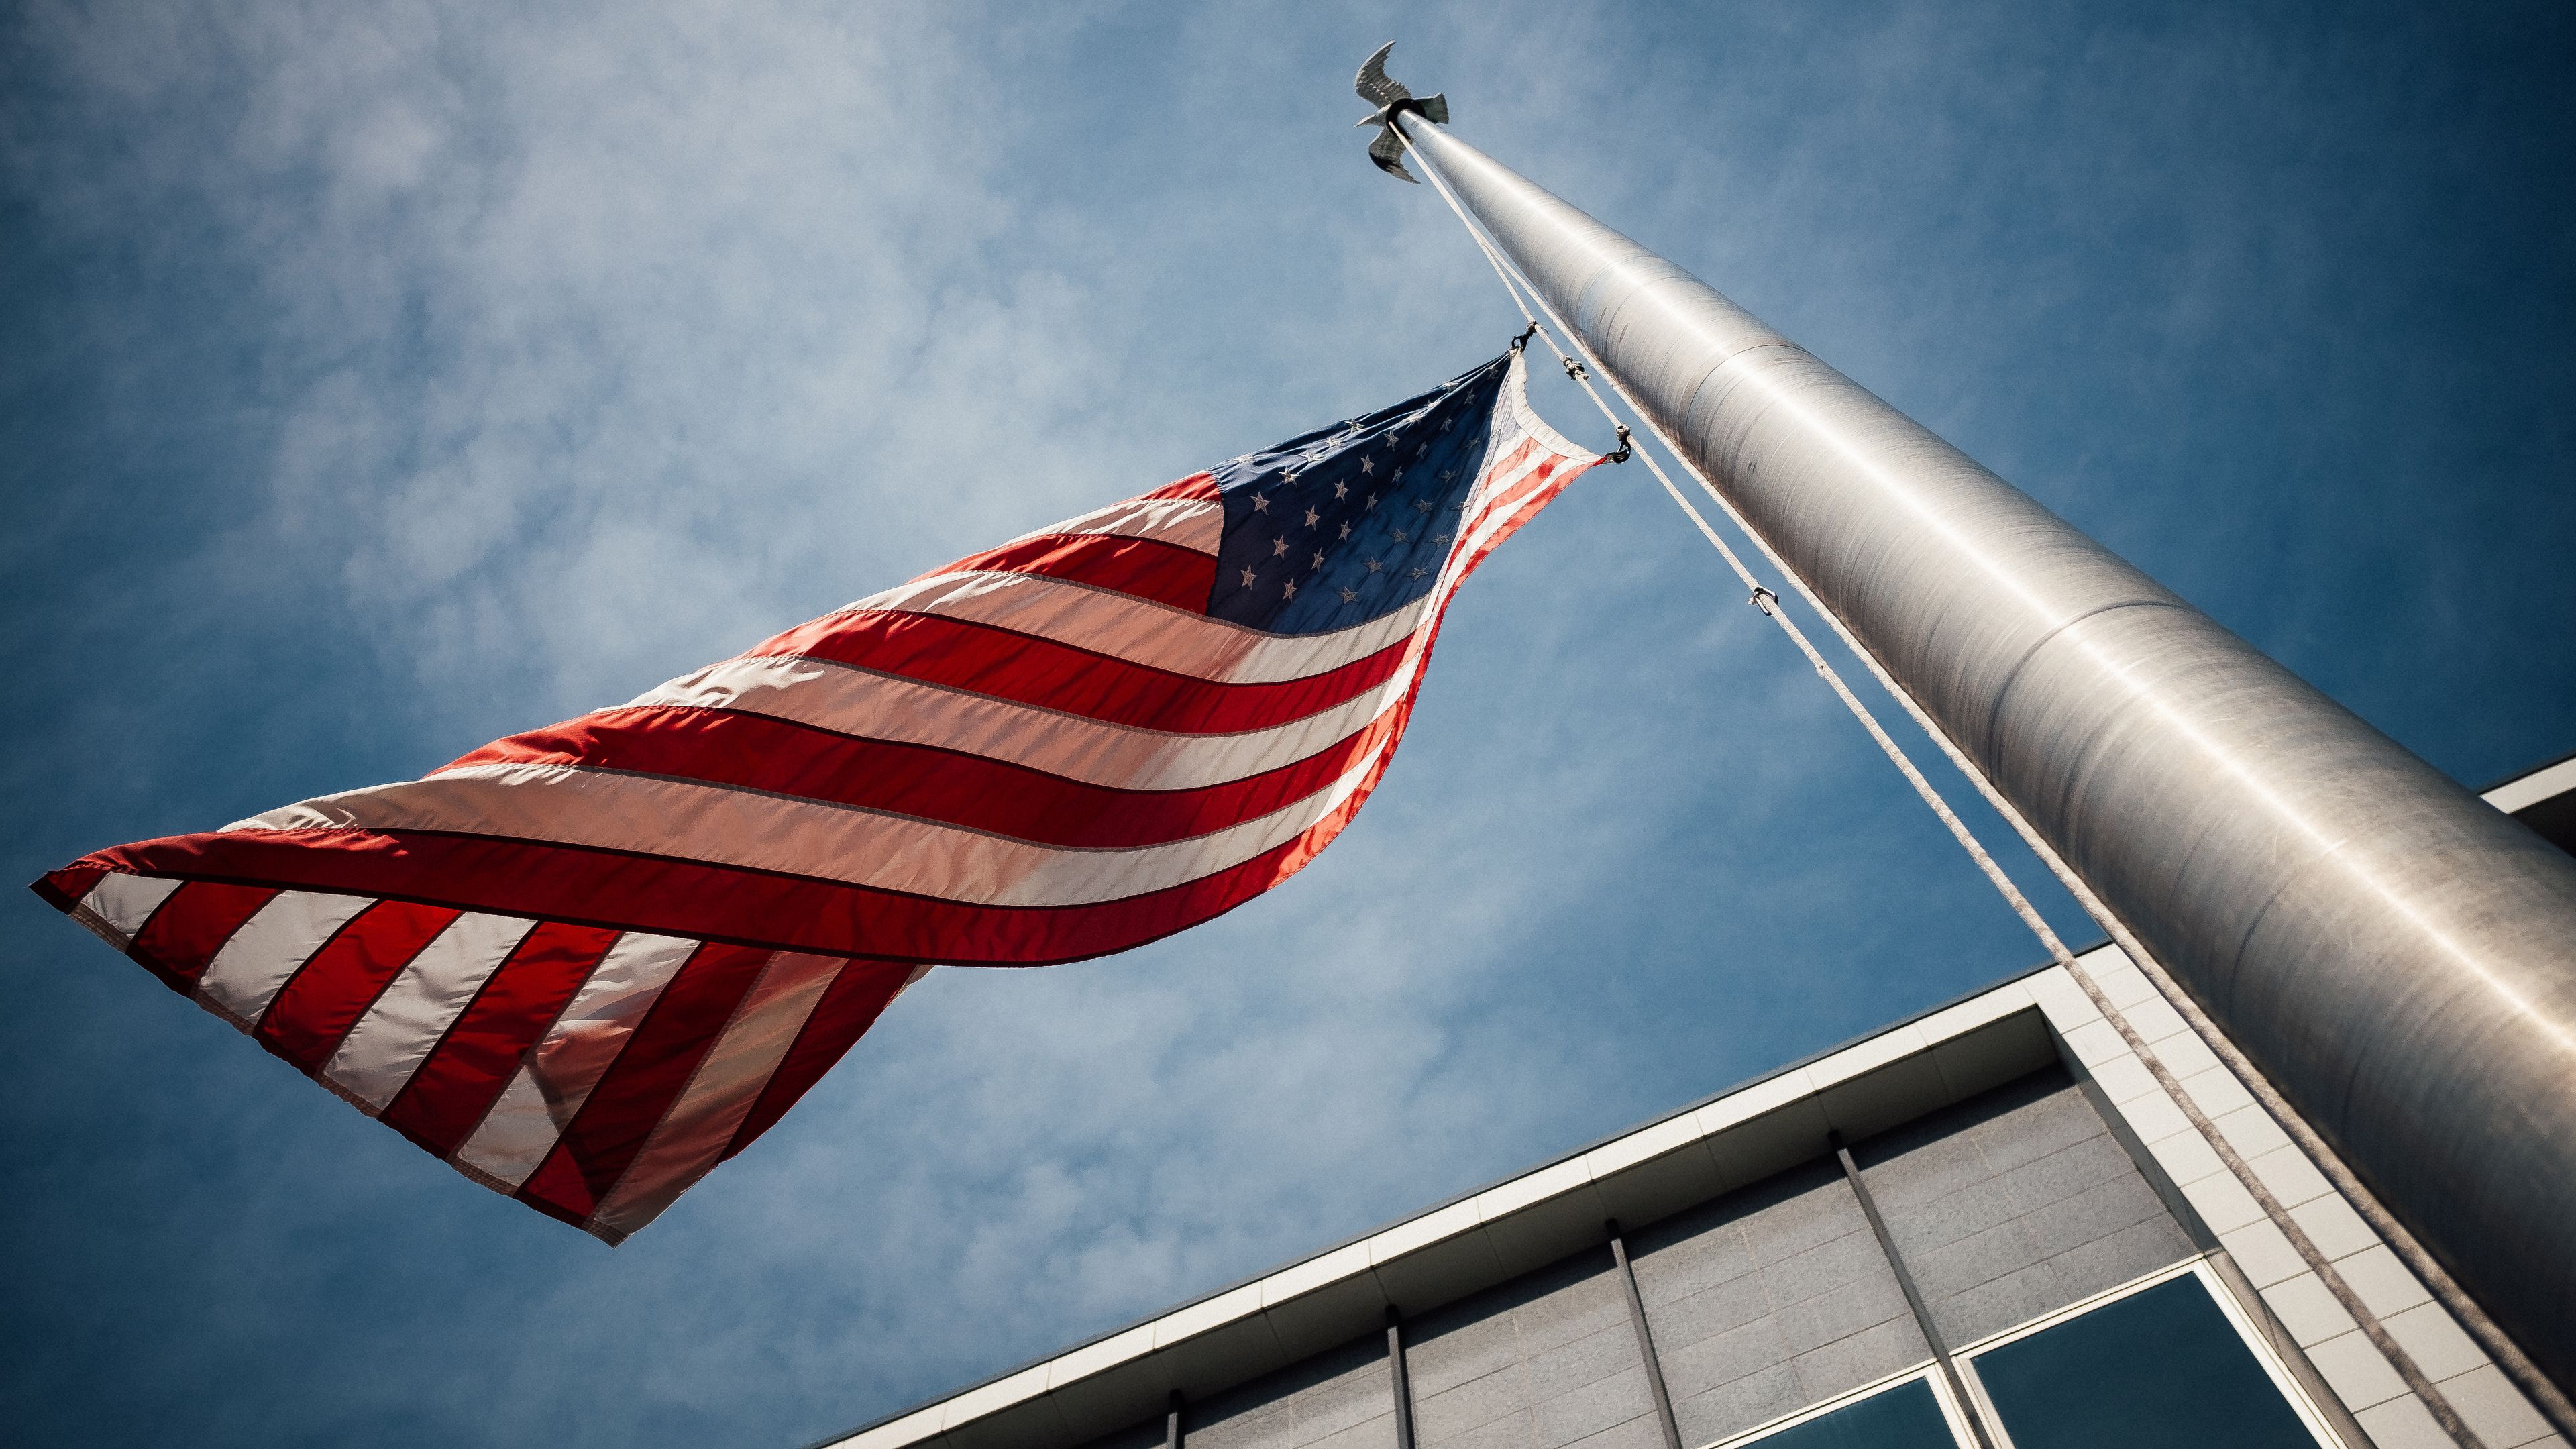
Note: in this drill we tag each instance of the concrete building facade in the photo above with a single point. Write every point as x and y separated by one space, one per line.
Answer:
2014 1222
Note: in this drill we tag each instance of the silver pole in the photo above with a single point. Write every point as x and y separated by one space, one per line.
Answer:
2398 957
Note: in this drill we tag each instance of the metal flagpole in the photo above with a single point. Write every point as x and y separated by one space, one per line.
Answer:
2393 954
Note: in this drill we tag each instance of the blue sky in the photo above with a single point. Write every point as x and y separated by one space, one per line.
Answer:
384 378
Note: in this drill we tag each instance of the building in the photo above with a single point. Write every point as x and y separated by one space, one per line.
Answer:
1987 1223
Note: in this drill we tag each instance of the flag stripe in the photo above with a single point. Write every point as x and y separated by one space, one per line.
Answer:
577 884
1197 524
1166 573
1197 485
336 985
655 1064
557 1074
246 974
119 906
380 1053
700 1125
978 793
865 705
858 996
726 825
1000 664
191 926
452 1089
1112 625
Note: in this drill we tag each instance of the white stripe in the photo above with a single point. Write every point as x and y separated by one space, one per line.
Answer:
246 974
689 820
119 904
1140 631
693 1135
882 707
387 1045
531 1113
1193 523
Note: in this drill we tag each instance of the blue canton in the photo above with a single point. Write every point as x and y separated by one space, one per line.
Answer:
1354 521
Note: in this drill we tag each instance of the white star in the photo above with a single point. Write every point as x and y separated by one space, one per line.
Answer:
1260 504
1372 503
1341 490
1446 474
1279 547
1444 538
1419 573
1318 563
1447 423
1291 587
1368 465
1247 578
1313 518
1374 566
1289 476
1346 530
1423 505
1349 597
1399 535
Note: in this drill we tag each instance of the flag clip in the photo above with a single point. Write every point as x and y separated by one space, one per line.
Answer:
1763 599
1627 446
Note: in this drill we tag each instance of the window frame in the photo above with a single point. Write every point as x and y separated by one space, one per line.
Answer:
2248 1332
1927 1371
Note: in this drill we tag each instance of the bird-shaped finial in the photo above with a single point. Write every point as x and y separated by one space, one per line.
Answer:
1392 99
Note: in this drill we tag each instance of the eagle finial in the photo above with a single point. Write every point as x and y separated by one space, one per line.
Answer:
1392 99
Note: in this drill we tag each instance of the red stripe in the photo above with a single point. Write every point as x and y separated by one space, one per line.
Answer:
1148 568
1197 485
65 889
445 1100
191 926
763 753
849 1007
689 898
639 1087
1005 664
327 995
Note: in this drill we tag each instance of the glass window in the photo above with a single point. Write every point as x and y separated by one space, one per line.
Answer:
2159 1369
1904 1417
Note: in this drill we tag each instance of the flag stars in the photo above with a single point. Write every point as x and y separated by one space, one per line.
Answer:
1350 596
1341 490
1399 535
1290 589
1319 561
1279 546
1372 503
1368 465
1421 573
1423 505
1261 502
1313 518
1346 530
1247 578
1374 566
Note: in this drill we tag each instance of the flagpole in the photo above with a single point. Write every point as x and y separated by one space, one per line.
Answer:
2395 955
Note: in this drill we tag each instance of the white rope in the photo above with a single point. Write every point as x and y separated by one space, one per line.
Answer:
2412 1252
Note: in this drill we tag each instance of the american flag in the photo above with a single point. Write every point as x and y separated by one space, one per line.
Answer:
587 963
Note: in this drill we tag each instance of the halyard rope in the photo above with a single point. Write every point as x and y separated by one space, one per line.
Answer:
2499 1347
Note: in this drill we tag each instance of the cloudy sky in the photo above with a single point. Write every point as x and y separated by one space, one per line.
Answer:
381 378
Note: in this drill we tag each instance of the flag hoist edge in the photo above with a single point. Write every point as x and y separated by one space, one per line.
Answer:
585 964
